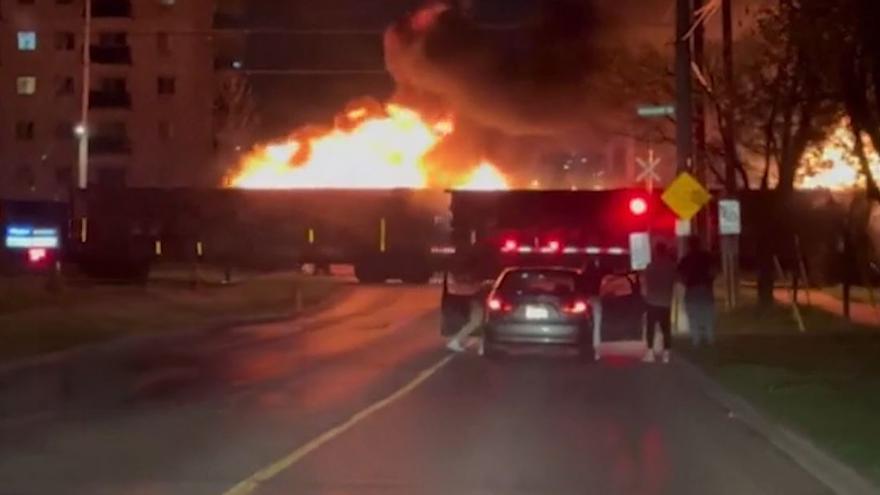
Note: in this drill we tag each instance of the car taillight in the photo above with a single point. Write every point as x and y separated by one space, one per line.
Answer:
576 307
498 304
509 246
638 206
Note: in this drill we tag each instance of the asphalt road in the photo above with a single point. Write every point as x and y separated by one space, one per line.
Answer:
362 399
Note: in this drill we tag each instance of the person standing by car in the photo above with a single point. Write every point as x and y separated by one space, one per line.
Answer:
659 279
475 312
592 274
697 272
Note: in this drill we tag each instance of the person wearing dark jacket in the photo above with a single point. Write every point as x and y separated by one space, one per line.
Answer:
659 278
697 273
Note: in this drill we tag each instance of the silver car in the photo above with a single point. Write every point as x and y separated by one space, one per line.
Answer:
538 306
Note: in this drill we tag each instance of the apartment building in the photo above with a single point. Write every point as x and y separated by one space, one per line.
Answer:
151 94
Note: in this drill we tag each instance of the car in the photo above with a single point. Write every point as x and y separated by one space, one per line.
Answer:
538 306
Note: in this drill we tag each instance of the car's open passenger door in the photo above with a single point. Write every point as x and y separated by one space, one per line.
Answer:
622 307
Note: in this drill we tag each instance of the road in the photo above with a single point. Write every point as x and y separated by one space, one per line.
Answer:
362 399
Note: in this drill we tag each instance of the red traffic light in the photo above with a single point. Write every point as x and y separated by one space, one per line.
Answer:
638 206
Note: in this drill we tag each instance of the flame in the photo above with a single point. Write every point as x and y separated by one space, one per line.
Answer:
834 165
381 151
485 177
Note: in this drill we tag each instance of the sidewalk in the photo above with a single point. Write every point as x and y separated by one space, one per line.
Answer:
860 313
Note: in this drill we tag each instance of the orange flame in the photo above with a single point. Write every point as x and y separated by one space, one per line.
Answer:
365 152
833 163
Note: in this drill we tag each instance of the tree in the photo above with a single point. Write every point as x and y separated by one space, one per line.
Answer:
854 37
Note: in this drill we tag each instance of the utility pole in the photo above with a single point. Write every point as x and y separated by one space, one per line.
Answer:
703 219
82 129
683 105
727 56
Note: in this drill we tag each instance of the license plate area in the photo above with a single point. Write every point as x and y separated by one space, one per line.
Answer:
536 313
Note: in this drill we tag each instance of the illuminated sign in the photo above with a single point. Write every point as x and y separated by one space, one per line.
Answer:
26 237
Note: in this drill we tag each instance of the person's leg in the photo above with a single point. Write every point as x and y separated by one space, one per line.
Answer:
664 318
475 319
650 325
596 305
692 310
708 316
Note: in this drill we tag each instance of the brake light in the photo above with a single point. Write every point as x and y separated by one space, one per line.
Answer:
497 304
553 246
576 308
509 246
638 206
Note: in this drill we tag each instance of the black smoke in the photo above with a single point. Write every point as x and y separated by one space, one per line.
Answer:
530 79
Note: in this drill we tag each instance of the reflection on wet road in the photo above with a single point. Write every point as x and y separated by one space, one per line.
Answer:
199 415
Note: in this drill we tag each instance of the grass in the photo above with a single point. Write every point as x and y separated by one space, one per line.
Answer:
856 294
34 320
824 382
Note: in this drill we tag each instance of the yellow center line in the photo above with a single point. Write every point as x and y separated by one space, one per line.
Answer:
252 483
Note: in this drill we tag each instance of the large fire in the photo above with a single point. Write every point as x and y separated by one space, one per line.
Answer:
833 163
378 148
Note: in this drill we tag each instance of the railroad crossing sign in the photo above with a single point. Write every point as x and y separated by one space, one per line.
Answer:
686 196
649 169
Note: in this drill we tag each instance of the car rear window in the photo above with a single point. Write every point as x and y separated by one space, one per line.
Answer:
538 282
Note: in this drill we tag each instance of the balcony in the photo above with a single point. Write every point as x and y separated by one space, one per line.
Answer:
110 55
111 8
109 145
110 99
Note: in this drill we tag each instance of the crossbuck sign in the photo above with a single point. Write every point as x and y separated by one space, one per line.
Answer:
649 170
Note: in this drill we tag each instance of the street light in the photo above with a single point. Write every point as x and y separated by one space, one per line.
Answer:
79 130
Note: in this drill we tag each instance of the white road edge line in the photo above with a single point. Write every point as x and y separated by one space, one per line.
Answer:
252 483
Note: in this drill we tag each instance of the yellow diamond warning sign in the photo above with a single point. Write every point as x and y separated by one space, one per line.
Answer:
685 196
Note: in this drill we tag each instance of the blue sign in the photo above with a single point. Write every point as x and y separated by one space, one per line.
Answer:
27 237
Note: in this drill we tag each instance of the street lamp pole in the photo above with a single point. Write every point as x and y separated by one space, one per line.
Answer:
82 129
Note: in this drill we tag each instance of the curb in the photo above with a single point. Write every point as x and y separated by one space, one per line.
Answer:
839 477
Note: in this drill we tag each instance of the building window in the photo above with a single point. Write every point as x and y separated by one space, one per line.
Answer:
27 41
64 85
166 130
113 38
165 85
26 85
163 43
64 130
24 130
65 41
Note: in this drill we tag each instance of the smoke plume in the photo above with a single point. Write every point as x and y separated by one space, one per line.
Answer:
532 80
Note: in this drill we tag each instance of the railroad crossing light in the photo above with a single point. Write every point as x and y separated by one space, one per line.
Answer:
638 206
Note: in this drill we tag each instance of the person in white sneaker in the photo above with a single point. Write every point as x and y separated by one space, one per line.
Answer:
476 313
659 279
